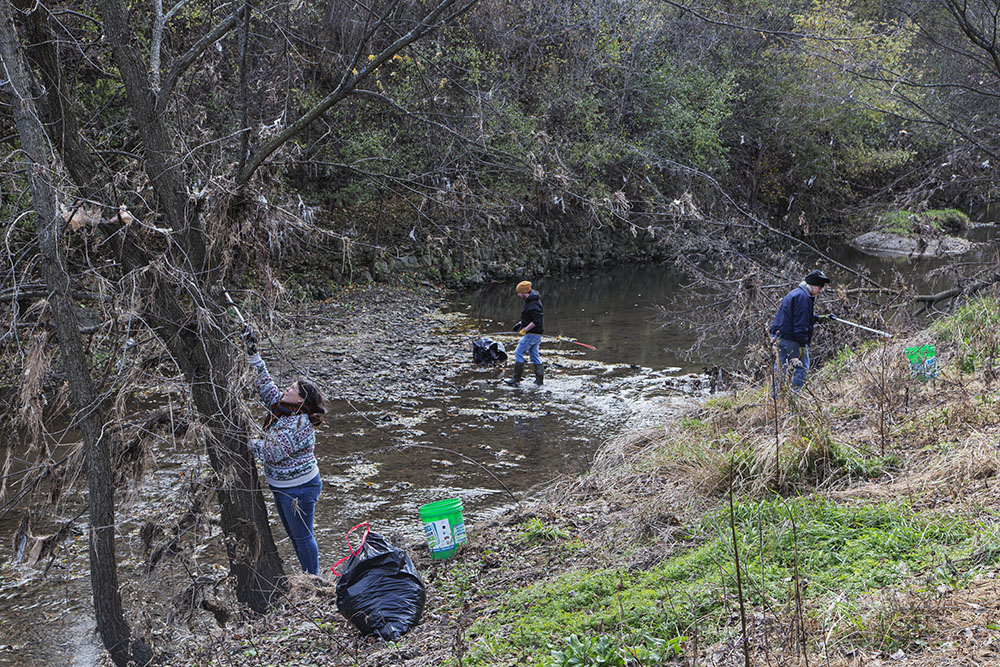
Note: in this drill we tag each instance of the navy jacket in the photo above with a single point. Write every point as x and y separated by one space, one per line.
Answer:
532 312
794 320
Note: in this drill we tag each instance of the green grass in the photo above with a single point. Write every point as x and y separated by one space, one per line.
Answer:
975 330
905 222
856 464
539 531
834 367
842 551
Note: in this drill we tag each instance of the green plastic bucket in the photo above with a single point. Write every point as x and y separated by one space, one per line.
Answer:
444 527
923 361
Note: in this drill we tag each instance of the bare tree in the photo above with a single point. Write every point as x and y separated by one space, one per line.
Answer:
182 246
115 632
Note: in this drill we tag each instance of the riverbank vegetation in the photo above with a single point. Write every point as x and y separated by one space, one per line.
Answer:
855 522
861 514
159 160
932 221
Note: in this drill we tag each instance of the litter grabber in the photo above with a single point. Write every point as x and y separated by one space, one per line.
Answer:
239 315
248 336
859 326
572 340
556 337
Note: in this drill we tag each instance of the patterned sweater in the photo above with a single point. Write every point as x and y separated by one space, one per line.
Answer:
287 449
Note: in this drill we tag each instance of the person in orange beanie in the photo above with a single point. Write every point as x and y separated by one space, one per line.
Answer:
531 327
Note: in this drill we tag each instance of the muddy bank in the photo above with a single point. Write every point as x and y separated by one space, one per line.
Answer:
470 254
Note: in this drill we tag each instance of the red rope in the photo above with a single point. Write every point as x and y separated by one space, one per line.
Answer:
350 548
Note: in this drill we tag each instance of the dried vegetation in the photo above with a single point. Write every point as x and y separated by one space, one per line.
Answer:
863 512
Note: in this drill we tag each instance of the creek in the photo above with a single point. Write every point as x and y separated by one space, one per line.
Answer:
450 429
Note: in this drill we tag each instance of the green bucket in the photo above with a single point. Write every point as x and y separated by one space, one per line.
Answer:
444 527
923 361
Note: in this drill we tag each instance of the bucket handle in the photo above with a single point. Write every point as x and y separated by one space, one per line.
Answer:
350 548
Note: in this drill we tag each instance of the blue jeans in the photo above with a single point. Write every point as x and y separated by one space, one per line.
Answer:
788 353
296 507
529 343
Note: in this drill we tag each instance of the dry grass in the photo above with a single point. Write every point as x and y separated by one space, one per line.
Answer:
647 488
864 408
863 431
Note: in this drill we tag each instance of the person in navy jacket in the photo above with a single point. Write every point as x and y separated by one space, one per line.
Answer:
792 328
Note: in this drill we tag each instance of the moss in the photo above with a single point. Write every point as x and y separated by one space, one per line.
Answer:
904 222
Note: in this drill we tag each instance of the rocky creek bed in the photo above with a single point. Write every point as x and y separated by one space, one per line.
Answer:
409 413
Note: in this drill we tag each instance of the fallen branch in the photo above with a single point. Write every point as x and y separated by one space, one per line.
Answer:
39 291
929 300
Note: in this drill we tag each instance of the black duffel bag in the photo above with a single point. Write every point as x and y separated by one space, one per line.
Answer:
379 590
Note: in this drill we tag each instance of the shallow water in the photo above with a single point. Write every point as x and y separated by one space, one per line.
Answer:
467 436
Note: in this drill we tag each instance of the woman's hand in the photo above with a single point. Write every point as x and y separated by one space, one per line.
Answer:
249 341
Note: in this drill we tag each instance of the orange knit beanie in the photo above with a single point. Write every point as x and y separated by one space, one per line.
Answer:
524 287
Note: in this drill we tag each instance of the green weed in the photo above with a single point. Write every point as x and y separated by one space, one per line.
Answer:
692 424
974 329
456 585
856 464
846 551
603 650
939 220
835 367
722 403
536 530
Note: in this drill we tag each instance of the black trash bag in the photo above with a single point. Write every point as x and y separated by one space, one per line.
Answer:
488 352
380 591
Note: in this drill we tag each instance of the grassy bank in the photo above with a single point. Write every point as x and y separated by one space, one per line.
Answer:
858 510
854 522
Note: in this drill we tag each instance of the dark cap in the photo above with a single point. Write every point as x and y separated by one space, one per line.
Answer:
817 277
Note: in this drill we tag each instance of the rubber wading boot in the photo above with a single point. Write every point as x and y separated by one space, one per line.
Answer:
518 372
539 373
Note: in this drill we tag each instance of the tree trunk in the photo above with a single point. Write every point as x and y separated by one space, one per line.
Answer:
199 347
253 556
114 630
62 127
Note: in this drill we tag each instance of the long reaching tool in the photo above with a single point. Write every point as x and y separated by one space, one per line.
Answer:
568 340
235 307
574 341
861 326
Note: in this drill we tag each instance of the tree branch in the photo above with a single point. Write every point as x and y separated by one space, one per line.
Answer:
347 85
929 300
192 54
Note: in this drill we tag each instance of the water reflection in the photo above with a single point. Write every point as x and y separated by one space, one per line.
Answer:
613 310
531 433
922 274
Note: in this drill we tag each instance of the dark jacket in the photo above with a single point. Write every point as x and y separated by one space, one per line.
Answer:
794 320
532 312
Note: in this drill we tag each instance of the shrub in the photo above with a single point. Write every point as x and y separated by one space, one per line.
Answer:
973 328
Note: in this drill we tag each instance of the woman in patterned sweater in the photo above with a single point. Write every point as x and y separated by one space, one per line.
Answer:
287 454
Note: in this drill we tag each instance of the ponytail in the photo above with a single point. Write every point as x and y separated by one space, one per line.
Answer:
312 402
